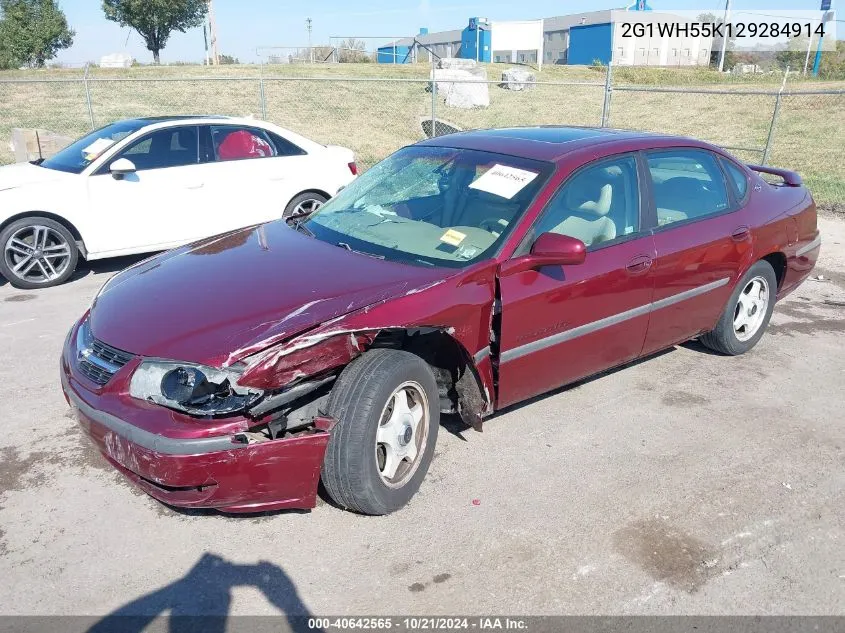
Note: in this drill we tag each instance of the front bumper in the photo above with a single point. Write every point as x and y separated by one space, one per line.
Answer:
199 471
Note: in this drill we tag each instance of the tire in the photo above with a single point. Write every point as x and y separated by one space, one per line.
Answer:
727 338
364 403
304 204
55 255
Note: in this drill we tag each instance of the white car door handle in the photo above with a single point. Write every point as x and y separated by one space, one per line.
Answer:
195 185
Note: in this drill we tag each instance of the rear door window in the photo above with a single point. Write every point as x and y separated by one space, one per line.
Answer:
233 142
686 184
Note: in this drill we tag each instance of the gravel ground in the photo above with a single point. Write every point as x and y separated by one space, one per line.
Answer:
687 483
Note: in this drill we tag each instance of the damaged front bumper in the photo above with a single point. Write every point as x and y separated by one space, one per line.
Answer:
193 469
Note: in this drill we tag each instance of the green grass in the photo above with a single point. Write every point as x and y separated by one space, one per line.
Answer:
375 118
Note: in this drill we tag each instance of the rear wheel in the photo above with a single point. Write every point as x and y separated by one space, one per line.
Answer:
386 407
304 204
747 313
37 253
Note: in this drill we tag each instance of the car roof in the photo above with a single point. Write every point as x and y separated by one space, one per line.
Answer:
548 143
165 121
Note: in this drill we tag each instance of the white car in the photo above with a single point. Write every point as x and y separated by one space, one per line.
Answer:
150 184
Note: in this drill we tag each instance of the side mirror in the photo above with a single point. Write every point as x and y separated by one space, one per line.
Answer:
121 167
550 249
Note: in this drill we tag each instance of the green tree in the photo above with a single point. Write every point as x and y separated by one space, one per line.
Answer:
832 64
229 59
155 20
31 32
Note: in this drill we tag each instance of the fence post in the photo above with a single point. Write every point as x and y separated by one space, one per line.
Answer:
608 88
433 100
261 94
767 151
88 96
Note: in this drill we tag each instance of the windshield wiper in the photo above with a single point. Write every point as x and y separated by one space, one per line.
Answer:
346 246
299 226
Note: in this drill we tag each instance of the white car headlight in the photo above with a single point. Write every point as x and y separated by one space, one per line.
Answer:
191 388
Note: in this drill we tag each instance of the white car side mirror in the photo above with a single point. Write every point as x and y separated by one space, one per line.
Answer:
121 167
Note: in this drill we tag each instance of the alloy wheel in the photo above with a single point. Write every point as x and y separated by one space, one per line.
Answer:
306 207
37 254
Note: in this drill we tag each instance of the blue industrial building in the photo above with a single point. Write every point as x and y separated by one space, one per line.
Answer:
580 38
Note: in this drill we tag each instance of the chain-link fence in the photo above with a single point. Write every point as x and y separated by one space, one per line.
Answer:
375 115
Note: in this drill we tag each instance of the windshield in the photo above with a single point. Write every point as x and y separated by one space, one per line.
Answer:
79 154
435 206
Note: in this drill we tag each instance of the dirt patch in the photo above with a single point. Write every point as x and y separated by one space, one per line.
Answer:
807 327
684 399
19 298
18 473
667 554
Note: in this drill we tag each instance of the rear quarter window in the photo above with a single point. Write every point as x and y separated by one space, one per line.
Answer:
737 177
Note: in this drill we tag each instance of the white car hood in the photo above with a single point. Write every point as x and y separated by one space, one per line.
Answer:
21 174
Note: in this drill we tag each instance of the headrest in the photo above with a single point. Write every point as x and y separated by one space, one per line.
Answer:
602 205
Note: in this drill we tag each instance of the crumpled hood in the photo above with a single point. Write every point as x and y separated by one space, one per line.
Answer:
221 299
21 174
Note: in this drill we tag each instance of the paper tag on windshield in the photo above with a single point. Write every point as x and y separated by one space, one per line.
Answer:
453 237
96 148
504 181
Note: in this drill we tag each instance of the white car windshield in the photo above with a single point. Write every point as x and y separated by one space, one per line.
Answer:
79 154
435 206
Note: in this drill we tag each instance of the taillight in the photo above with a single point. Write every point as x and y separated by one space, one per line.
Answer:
353 168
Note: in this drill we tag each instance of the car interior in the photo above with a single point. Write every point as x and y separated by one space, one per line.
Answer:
686 186
165 148
597 205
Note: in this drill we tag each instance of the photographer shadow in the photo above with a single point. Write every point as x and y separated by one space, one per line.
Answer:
201 599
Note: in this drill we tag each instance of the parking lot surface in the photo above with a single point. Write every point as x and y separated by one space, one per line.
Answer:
685 483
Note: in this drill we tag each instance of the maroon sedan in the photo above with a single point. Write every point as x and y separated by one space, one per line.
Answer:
460 275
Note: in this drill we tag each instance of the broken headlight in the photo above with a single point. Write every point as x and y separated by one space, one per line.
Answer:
191 388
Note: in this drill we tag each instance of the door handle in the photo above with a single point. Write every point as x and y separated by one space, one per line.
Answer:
639 265
741 233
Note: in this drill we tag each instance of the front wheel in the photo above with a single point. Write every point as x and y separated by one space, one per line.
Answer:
747 313
386 407
304 205
37 253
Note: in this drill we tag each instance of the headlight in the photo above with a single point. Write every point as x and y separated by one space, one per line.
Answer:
194 389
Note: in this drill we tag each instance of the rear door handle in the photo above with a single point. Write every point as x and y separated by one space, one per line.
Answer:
195 185
639 265
741 233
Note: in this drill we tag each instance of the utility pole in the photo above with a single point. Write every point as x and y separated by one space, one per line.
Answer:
310 49
724 35
212 29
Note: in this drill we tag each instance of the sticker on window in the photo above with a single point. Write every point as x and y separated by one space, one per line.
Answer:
504 181
96 148
453 237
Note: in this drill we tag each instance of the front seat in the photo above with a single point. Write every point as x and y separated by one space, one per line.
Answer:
588 219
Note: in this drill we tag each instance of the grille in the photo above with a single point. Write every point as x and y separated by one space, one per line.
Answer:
110 354
100 373
94 373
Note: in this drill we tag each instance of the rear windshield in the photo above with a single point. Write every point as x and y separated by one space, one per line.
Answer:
79 154
432 206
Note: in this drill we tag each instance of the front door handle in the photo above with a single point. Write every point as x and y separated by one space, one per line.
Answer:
639 265
741 233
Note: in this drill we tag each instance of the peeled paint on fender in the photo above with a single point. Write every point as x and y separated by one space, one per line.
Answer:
279 367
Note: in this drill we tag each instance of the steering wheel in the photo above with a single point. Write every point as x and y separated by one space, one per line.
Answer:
495 225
